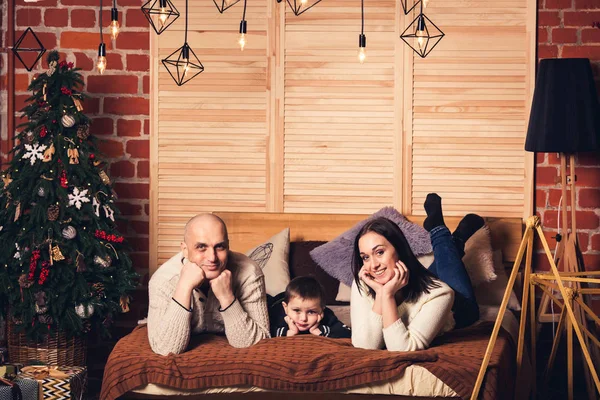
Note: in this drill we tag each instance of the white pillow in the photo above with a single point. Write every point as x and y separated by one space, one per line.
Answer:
491 293
272 257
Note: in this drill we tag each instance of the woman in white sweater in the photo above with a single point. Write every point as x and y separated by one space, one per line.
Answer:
397 303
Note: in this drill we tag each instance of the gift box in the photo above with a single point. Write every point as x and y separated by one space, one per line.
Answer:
57 383
9 391
20 388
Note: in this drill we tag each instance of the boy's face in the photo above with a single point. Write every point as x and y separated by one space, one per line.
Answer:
304 312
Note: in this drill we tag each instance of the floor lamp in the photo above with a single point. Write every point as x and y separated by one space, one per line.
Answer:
565 119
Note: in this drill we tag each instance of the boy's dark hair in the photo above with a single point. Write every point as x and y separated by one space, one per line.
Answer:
305 287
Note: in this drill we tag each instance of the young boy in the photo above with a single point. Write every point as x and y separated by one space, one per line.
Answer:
301 310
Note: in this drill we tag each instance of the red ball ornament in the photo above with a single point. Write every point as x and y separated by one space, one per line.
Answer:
92 156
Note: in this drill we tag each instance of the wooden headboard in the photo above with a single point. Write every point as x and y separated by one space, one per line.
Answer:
246 230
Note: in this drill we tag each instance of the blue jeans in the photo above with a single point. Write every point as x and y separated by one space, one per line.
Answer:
449 268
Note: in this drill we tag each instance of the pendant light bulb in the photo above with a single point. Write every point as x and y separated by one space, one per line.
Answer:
362 55
303 2
362 48
163 13
243 30
114 23
101 63
425 2
185 55
421 33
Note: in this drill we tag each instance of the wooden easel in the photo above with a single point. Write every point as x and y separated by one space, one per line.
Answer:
568 256
568 247
572 321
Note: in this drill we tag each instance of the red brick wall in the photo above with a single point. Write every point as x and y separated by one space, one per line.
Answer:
118 103
566 28
120 107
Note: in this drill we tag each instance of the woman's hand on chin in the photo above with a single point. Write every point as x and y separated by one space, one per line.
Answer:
369 281
398 281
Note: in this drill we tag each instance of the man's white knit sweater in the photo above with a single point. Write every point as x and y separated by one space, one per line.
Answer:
418 325
245 321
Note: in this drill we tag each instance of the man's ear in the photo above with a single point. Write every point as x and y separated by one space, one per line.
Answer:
184 250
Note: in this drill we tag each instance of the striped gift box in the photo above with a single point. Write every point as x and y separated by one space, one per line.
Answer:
57 383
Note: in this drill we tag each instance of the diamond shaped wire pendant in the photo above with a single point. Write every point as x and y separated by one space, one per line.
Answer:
422 35
183 64
160 13
26 46
409 5
300 6
223 5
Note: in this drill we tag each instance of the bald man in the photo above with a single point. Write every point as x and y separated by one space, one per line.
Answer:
206 288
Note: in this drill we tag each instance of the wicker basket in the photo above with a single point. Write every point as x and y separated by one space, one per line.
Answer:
54 349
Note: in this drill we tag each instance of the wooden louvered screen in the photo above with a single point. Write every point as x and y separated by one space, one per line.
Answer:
295 124
339 114
210 134
470 106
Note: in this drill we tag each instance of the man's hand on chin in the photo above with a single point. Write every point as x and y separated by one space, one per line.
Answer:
221 287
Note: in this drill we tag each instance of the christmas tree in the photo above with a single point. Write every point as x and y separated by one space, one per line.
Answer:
63 264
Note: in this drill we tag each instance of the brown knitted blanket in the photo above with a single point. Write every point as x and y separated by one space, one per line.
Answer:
307 363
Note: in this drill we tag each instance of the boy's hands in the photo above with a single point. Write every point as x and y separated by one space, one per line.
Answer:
315 328
292 328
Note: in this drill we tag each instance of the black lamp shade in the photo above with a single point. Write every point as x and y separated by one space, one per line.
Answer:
565 113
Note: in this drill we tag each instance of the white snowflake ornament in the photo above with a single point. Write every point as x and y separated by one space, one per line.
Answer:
18 252
34 152
109 213
78 197
96 206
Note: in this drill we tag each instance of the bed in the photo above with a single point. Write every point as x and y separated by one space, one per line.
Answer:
327 368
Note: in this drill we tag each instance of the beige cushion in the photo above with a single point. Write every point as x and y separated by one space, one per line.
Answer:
491 293
272 257
343 293
478 258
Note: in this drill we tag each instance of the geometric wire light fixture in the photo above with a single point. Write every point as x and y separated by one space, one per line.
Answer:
18 49
160 13
300 6
422 35
223 5
183 64
405 5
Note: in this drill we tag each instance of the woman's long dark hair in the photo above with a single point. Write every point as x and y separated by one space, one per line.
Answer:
420 279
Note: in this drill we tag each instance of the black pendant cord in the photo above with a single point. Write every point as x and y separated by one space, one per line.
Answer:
101 37
244 14
186 21
362 17
114 3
